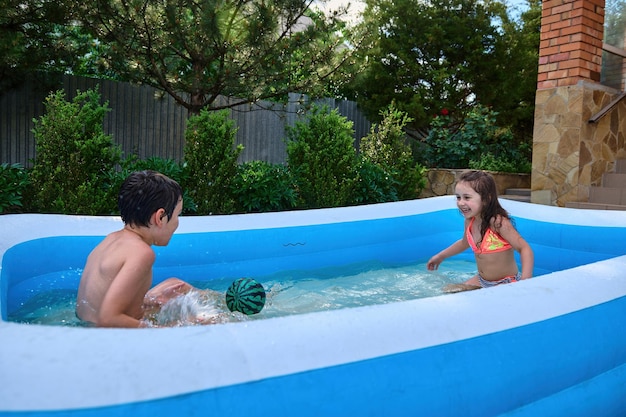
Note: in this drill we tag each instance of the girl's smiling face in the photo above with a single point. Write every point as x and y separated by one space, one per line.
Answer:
468 200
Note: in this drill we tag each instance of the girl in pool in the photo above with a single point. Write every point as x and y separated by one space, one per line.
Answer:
489 231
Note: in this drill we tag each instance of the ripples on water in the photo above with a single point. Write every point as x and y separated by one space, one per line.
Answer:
287 293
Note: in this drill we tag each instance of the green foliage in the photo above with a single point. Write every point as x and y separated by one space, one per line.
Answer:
447 54
31 40
517 161
387 147
211 162
373 184
444 64
165 166
448 148
260 187
197 51
13 184
513 94
322 158
75 159
478 143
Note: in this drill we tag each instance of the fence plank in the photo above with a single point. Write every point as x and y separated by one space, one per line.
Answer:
146 122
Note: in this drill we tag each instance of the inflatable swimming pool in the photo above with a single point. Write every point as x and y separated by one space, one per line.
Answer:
552 345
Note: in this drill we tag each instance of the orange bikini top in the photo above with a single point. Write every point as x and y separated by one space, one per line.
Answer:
492 241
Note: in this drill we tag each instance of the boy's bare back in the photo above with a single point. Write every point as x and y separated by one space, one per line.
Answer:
117 275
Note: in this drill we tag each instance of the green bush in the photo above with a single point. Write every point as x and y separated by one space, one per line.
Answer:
13 184
74 158
386 146
373 184
210 163
472 142
260 186
322 158
488 162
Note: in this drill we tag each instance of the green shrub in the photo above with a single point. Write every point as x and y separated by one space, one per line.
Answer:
517 162
472 142
74 158
322 158
210 163
373 184
260 186
13 184
387 147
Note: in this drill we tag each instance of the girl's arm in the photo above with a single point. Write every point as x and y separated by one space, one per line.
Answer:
508 232
454 249
527 257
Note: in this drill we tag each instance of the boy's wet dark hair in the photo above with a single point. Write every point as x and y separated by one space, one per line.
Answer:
484 184
143 193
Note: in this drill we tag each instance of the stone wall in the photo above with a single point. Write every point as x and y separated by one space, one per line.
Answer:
570 154
442 181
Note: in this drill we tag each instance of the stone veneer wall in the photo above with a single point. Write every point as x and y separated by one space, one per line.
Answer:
441 181
569 153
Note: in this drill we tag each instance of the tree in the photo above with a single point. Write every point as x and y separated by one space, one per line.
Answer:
196 51
430 56
514 97
30 39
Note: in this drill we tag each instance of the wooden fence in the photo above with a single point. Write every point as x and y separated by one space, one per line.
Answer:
146 122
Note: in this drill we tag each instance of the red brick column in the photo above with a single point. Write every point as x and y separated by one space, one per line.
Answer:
571 42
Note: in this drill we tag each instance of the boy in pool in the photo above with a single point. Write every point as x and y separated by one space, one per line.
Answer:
488 230
114 288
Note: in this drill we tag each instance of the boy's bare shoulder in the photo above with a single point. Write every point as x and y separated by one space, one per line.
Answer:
128 243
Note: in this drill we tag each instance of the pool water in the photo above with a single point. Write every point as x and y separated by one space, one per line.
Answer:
415 357
288 292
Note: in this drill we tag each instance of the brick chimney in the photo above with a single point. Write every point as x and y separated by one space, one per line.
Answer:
571 42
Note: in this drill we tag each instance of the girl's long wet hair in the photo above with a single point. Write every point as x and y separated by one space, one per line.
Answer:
145 192
484 184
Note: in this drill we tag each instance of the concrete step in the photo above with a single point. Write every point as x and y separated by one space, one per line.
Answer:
517 194
612 194
614 180
522 198
607 195
517 191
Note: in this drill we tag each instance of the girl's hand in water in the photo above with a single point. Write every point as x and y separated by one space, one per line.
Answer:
434 262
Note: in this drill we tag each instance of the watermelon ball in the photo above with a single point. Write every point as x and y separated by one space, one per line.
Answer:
246 296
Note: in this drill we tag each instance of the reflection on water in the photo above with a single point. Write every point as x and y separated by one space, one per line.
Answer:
291 292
